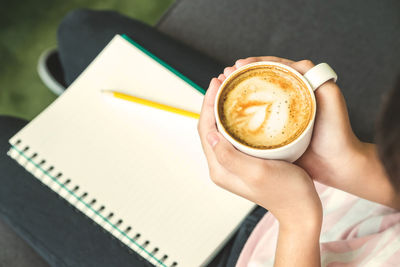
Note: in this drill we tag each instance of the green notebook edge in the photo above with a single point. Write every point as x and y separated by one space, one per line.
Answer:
164 64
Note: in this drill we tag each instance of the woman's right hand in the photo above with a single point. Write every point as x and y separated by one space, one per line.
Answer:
336 157
334 148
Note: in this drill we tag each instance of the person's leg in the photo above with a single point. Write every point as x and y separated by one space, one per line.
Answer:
84 33
230 254
65 237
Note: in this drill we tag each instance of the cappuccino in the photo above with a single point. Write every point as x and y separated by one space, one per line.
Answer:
265 107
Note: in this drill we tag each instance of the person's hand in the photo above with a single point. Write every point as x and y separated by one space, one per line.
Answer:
283 188
330 157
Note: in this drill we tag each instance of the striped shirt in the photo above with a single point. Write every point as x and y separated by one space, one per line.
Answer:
355 232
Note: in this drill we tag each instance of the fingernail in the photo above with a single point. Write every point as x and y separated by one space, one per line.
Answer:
212 139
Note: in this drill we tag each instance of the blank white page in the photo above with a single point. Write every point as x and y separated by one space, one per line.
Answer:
144 165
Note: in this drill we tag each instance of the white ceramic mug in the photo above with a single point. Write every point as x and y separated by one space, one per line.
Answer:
314 78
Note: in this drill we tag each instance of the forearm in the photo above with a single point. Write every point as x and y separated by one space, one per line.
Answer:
298 245
364 176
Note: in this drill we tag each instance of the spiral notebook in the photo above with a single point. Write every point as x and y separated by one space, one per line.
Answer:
138 172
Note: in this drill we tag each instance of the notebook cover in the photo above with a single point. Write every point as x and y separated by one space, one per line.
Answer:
133 169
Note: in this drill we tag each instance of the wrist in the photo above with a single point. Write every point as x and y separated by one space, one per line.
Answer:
376 184
305 213
355 154
339 171
310 225
309 220
298 246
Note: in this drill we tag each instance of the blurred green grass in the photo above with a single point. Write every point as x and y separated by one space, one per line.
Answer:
29 27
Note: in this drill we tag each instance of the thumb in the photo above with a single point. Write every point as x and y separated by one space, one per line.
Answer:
332 106
235 161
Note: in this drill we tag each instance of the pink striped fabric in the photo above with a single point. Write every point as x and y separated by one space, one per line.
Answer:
355 232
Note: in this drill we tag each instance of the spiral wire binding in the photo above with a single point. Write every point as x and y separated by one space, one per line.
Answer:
80 200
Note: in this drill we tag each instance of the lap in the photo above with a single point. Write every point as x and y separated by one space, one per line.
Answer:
60 233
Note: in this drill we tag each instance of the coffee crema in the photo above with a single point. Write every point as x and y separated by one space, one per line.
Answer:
265 107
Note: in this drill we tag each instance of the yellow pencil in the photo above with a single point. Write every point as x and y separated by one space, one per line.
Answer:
151 103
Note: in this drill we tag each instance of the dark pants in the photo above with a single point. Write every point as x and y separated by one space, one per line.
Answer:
62 235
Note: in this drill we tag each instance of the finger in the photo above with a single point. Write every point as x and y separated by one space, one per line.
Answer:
207 120
248 168
276 59
228 71
332 111
226 180
302 66
218 174
242 62
222 176
221 77
329 96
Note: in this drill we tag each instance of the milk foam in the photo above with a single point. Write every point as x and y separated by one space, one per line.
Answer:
267 108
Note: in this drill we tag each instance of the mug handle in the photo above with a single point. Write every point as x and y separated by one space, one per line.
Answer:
320 74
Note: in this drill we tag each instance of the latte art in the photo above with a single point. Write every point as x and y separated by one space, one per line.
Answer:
265 107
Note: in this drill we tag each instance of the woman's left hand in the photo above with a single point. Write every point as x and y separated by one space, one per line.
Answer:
284 189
